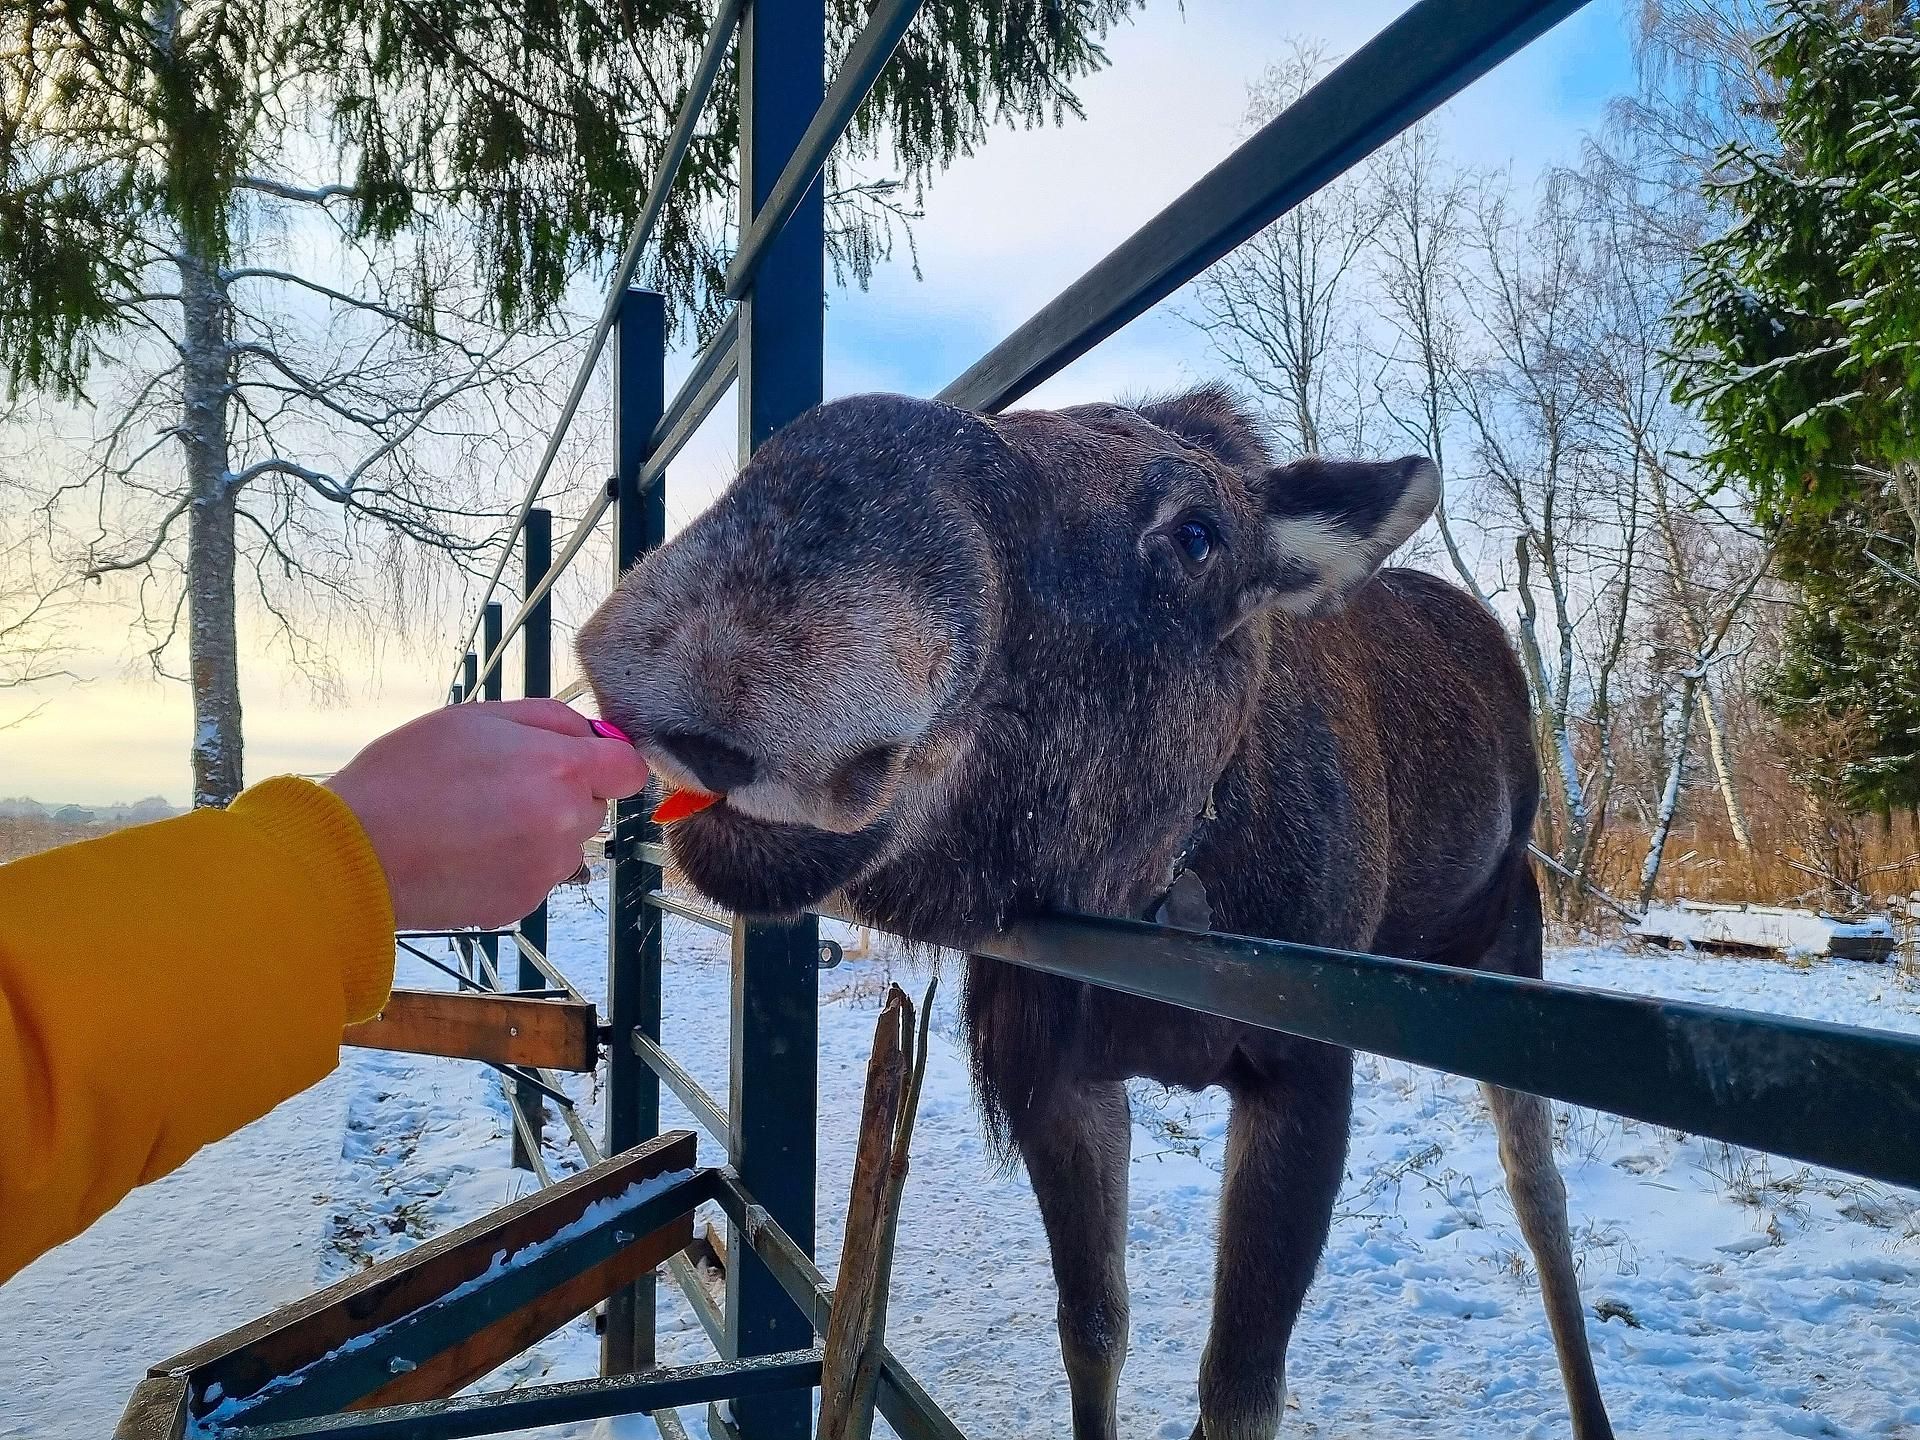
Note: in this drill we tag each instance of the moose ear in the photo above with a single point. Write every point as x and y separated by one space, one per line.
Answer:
1332 523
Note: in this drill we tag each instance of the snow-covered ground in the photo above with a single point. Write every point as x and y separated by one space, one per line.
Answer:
1743 1296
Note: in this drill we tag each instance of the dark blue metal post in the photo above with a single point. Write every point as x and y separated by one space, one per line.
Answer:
775 1044
633 945
536 680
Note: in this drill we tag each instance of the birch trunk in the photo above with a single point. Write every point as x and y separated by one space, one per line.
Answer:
1678 730
1556 736
1723 773
213 650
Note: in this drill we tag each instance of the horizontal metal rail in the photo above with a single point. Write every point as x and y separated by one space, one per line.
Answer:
1838 1095
1834 1095
712 57
698 914
468 981
474 934
859 72
1431 53
561 1404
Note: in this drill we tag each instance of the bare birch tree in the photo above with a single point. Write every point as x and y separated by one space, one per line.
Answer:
1275 309
1417 257
191 192
1521 399
282 436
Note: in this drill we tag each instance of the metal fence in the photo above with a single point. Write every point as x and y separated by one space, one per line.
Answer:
1828 1094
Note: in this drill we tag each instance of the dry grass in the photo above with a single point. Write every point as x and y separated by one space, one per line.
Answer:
1877 859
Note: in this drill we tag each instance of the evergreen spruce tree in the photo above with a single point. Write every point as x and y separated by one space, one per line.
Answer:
1799 343
165 167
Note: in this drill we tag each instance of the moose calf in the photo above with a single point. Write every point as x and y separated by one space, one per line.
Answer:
956 669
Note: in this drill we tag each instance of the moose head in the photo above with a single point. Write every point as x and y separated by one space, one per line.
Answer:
978 663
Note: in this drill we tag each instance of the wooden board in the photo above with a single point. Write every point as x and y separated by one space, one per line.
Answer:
157 1411
245 1359
556 1034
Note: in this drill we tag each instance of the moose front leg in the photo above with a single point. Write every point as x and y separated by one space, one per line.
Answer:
1075 1142
1286 1151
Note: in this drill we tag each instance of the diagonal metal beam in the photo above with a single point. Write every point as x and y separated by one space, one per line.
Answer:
859 72
712 56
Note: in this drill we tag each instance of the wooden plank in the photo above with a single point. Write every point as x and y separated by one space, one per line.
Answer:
157 1411
245 1359
468 1025
368 1366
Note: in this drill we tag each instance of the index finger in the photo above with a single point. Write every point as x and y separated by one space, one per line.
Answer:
540 714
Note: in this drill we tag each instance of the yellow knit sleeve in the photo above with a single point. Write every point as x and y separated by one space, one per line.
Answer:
162 986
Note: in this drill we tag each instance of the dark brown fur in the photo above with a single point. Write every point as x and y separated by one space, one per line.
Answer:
957 671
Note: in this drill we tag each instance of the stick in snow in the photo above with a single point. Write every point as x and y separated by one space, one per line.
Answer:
856 1326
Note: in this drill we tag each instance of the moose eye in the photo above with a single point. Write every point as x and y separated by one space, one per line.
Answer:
1196 541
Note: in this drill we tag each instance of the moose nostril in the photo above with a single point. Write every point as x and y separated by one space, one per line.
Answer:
714 763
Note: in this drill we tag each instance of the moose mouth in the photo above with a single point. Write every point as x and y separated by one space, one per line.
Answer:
767 868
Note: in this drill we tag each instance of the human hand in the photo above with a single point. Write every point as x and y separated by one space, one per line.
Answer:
477 811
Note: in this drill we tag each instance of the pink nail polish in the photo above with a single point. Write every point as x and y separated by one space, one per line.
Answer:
609 732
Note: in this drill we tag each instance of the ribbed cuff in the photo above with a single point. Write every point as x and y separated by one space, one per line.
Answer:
328 847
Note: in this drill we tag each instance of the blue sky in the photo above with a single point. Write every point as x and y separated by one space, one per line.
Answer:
1003 232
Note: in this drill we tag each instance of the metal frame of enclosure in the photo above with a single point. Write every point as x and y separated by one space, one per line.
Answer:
423 1326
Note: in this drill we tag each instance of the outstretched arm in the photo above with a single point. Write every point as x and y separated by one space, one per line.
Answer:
162 986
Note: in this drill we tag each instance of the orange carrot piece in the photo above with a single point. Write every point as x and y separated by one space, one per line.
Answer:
679 804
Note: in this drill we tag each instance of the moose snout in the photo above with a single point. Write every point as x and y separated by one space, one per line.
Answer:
805 715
